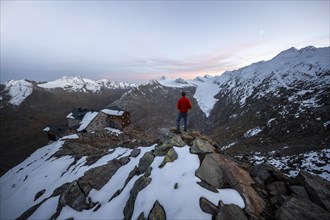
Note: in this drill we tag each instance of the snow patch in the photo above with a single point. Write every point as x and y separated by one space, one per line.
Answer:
252 132
18 90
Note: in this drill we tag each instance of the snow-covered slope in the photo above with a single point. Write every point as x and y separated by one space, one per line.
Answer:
298 70
39 179
18 90
80 84
302 71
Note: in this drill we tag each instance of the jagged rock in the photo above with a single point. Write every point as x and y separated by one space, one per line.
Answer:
169 157
221 172
299 191
300 208
165 134
165 147
157 212
141 216
145 162
277 188
232 212
139 184
75 197
135 152
208 206
188 138
40 193
201 146
268 174
99 176
262 171
254 204
207 186
318 189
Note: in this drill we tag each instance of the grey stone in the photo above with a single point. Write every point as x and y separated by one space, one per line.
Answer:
208 206
75 198
169 157
157 212
208 186
201 146
232 212
277 188
168 144
145 162
99 176
300 208
165 134
139 184
40 193
135 152
263 171
318 188
221 172
299 191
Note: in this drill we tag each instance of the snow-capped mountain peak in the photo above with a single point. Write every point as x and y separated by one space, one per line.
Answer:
18 90
80 84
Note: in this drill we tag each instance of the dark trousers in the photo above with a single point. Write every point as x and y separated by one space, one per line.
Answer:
181 115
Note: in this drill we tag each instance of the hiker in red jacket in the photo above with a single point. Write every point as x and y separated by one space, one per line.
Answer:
183 105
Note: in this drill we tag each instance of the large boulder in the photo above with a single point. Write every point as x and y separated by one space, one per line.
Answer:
162 149
200 146
75 197
318 189
145 162
169 157
221 172
232 212
302 209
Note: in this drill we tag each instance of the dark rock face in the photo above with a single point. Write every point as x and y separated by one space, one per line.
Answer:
266 191
75 197
200 146
221 172
157 212
277 188
232 212
208 206
317 188
140 184
299 208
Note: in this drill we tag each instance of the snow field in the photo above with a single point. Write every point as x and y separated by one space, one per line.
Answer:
42 172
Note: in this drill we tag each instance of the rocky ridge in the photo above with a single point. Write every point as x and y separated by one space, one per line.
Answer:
109 174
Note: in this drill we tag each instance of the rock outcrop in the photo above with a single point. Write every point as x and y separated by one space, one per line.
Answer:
267 193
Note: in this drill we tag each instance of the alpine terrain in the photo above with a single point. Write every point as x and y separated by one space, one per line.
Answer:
257 146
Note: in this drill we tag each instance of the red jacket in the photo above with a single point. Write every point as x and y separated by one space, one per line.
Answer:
184 104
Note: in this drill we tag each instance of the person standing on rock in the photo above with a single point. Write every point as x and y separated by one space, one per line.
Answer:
183 105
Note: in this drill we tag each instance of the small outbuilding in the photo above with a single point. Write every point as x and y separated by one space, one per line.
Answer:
76 116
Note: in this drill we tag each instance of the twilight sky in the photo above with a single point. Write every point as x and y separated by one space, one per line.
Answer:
137 41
